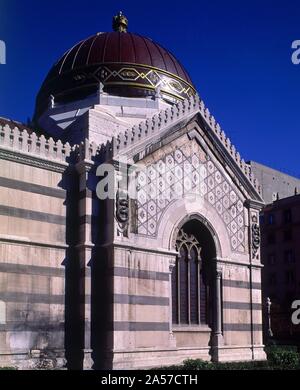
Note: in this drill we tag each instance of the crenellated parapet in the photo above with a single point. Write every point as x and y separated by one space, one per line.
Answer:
23 142
16 142
170 117
89 151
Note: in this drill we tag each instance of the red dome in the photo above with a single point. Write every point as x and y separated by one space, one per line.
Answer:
126 64
119 48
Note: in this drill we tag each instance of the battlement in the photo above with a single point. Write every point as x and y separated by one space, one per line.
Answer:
23 142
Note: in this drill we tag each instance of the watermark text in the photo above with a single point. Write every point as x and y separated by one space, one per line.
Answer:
296 313
2 53
296 53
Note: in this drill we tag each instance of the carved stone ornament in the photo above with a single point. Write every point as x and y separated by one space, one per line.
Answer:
122 207
255 236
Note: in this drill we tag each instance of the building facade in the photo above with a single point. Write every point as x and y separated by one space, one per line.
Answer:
281 259
164 268
274 184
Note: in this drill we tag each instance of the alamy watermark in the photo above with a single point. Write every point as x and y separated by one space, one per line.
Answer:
296 313
296 53
2 53
156 182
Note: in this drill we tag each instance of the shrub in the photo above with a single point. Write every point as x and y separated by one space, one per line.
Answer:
197 364
283 357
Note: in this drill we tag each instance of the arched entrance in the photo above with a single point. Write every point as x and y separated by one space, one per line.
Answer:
192 275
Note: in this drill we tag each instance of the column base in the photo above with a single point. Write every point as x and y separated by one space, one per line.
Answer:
217 341
172 341
224 354
88 362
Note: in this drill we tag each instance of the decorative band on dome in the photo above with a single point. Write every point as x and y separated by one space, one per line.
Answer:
132 80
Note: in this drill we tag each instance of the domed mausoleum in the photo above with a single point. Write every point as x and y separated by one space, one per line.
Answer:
129 226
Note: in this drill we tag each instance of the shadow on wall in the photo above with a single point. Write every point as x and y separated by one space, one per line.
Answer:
74 326
82 334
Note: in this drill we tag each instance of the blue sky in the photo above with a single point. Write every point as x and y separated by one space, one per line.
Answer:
238 54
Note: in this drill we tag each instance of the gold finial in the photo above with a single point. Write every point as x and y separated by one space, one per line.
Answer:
120 23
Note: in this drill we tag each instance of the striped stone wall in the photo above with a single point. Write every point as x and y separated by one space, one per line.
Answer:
33 217
241 306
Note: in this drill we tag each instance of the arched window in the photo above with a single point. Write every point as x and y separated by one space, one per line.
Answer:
189 290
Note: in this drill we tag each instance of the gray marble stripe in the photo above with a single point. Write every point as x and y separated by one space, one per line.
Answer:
242 327
141 326
42 326
86 220
240 284
32 215
32 188
31 270
141 300
20 297
241 306
140 274
86 194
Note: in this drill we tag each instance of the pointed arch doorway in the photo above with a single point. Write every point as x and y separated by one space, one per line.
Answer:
196 294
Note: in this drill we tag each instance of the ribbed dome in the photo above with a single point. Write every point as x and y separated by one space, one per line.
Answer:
126 64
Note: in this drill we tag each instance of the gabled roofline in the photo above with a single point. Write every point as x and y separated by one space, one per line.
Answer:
147 131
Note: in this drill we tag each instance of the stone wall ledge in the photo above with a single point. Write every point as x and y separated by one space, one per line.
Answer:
25 241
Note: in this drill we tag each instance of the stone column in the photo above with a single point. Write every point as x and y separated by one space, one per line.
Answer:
217 336
218 307
269 304
171 336
254 208
218 313
84 250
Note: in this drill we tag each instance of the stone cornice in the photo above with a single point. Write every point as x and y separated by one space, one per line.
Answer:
254 204
136 248
224 262
32 160
26 241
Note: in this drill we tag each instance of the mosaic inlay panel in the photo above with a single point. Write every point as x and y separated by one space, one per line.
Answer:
182 173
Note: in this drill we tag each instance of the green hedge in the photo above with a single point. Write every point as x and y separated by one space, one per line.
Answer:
283 357
279 358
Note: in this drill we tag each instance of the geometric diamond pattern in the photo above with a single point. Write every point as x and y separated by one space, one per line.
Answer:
180 173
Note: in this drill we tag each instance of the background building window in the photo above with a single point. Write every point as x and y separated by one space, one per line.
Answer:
287 235
290 277
271 239
289 256
273 279
272 259
287 216
271 219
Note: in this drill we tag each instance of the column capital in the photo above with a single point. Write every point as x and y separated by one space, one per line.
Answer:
219 263
254 204
83 167
172 264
